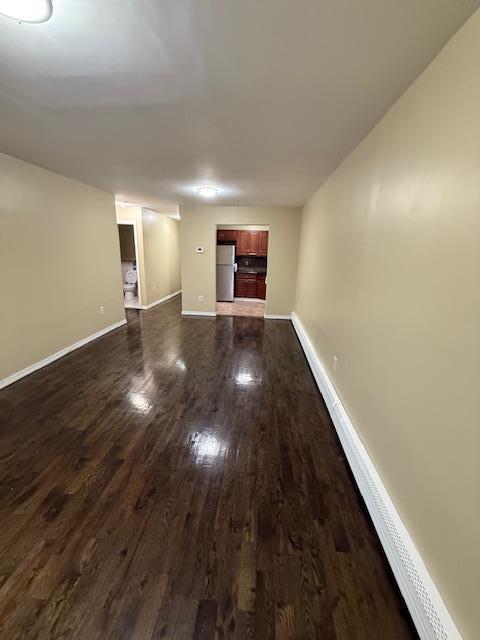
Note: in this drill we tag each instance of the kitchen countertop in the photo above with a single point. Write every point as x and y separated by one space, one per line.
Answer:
250 270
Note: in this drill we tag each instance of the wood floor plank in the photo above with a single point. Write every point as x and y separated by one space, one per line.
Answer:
180 478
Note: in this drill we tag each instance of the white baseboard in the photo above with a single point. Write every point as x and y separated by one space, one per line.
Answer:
428 611
59 354
272 316
198 313
248 300
164 299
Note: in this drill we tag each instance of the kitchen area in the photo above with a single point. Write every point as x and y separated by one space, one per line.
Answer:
242 255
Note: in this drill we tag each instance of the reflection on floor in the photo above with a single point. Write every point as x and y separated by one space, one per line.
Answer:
241 308
132 304
180 478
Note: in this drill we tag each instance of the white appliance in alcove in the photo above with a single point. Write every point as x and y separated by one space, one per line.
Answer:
130 285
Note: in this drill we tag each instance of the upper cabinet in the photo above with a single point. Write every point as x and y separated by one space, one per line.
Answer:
243 243
252 243
248 243
227 235
262 243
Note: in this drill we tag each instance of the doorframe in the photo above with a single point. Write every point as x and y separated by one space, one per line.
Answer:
139 274
238 227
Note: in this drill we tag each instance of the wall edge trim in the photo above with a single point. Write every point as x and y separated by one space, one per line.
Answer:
58 354
160 300
198 313
274 316
427 608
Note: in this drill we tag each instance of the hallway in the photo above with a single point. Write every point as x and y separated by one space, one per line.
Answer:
180 478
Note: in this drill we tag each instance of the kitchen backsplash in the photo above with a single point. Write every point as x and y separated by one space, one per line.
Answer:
246 262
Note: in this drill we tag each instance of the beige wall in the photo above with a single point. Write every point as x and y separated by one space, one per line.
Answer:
60 262
389 282
198 228
162 255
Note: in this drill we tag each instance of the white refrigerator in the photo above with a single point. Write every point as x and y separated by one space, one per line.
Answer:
226 268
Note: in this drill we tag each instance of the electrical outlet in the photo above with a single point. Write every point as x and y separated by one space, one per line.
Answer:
102 310
201 298
335 362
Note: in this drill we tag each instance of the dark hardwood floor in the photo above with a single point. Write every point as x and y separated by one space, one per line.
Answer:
180 478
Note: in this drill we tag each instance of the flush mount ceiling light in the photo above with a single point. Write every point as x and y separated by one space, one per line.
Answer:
207 192
26 10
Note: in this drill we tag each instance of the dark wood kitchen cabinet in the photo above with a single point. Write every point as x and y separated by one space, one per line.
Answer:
250 285
226 235
261 287
245 285
243 243
248 243
262 243
252 243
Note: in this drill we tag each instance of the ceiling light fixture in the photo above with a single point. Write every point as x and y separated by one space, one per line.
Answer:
207 192
27 10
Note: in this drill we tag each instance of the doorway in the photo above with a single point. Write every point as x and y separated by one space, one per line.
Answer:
127 235
241 270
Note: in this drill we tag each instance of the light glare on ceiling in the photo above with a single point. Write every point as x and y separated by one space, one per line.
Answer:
207 192
125 203
26 10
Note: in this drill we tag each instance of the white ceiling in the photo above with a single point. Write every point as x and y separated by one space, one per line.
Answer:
262 98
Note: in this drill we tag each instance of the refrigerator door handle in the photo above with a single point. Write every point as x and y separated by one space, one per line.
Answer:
235 267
